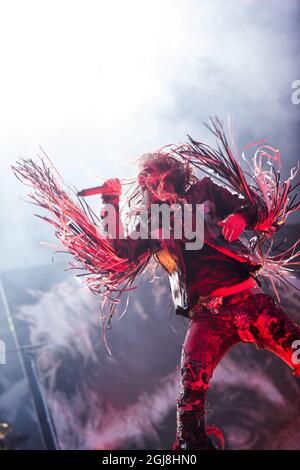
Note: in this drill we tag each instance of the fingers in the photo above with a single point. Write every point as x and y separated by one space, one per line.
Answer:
234 235
230 233
112 184
233 227
226 232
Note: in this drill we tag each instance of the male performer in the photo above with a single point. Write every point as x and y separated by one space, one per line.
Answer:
216 286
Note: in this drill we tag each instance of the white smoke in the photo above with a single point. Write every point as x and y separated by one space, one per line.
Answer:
74 368
98 83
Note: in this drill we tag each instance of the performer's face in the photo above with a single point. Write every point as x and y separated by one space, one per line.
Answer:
156 183
149 177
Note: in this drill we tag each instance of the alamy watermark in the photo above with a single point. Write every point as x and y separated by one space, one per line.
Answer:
295 97
160 222
296 354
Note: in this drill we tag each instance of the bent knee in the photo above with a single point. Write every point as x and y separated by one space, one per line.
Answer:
195 374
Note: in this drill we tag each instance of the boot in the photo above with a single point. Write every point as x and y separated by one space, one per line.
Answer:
202 443
191 433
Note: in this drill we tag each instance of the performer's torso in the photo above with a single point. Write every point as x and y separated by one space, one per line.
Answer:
208 269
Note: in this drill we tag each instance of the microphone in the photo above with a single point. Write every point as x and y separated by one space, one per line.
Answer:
103 189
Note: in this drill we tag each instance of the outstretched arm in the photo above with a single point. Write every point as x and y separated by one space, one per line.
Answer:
127 247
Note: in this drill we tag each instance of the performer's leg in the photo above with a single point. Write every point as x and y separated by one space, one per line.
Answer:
207 340
263 321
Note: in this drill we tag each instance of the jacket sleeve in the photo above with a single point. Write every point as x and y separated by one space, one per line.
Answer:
125 247
225 201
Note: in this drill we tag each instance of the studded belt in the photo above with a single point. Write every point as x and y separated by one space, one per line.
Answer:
213 304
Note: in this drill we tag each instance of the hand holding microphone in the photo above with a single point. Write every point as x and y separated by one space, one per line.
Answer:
110 191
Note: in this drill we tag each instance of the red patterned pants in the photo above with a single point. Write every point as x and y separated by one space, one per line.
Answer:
259 320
